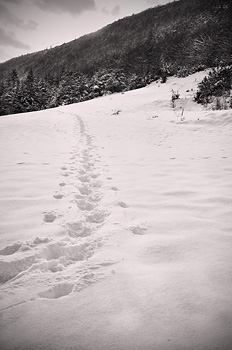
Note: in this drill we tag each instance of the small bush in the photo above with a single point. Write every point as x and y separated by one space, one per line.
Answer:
116 112
216 88
175 96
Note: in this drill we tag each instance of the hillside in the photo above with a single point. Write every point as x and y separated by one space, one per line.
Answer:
181 34
179 38
116 224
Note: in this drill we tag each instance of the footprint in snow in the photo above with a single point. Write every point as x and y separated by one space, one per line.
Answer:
97 217
97 184
138 230
10 249
23 246
58 291
123 205
78 229
94 176
58 196
49 217
85 190
82 172
16 268
69 253
83 178
84 205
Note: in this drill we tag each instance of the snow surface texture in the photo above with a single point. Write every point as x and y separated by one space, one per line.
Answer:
116 224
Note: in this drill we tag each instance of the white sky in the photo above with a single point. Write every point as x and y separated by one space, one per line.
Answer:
32 25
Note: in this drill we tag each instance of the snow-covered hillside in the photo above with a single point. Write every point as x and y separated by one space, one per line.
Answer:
116 224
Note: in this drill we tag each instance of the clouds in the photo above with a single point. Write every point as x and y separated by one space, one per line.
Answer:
72 7
114 12
9 39
3 55
10 22
10 19
157 2
17 2
19 28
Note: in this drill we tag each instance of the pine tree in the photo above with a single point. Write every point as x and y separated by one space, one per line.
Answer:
13 79
44 94
30 93
10 90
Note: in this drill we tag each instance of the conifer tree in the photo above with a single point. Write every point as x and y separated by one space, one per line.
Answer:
30 93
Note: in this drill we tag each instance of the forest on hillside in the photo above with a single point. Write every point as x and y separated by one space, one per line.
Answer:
179 39
33 94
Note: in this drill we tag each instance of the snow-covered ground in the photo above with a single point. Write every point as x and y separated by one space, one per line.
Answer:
116 224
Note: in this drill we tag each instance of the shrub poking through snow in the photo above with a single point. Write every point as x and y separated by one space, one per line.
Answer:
116 112
215 89
175 96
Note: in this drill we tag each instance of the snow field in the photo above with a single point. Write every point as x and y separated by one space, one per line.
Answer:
116 227
72 210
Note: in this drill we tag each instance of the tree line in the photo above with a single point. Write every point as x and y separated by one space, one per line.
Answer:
179 38
33 94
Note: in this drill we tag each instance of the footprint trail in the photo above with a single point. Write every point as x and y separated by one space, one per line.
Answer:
64 264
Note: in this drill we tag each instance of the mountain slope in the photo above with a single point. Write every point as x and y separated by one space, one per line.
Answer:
182 35
116 230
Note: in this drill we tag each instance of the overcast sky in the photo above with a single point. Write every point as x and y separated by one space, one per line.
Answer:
32 25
